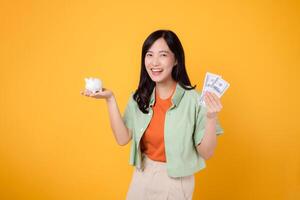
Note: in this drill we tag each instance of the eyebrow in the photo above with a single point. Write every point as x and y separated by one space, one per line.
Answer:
160 51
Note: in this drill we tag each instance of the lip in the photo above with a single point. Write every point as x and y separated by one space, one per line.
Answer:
156 73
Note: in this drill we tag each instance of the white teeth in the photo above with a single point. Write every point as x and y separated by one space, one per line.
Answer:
156 70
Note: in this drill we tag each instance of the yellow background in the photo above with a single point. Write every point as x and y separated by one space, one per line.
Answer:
57 144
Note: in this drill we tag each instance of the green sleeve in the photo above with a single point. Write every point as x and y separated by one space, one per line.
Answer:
128 113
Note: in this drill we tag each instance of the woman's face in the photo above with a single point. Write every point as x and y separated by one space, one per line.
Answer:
159 61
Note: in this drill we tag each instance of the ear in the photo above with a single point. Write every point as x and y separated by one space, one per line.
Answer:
175 62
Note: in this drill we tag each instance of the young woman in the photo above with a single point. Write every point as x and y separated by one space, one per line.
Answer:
172 134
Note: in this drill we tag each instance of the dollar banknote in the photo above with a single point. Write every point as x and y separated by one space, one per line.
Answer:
215 84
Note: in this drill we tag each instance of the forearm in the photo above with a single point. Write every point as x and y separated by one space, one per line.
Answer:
118 127
209 141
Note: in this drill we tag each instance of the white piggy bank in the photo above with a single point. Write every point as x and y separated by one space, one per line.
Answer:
93 84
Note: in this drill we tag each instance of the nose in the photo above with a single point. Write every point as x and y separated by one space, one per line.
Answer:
155 61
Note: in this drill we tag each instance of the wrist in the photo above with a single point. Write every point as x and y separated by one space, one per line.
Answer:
211 116
110 99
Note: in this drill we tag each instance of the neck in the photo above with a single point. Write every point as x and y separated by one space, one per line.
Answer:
164 90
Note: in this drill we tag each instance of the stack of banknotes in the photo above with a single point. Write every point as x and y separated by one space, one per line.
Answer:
213 83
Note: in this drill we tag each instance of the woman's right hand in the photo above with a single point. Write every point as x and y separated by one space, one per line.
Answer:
104 94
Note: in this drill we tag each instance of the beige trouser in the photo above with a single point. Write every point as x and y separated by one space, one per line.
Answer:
153 183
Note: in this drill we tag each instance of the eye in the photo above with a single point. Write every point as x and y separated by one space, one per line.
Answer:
148 54
164 55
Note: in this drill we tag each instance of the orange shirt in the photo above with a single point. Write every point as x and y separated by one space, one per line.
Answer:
152 142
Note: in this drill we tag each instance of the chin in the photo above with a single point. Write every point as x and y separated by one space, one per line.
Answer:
158 80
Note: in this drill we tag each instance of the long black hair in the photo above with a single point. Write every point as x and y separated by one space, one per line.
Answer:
146 85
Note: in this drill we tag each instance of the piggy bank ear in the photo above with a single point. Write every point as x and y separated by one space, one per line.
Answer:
86 80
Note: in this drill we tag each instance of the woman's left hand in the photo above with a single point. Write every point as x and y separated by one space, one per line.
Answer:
213 104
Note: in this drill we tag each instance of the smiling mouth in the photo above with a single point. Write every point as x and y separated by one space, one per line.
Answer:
156 71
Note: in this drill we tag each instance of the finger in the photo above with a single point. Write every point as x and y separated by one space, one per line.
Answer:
214 104
209 104
96 94
86 93
209 108
216 100
214 96
216 107
212 100
92 94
